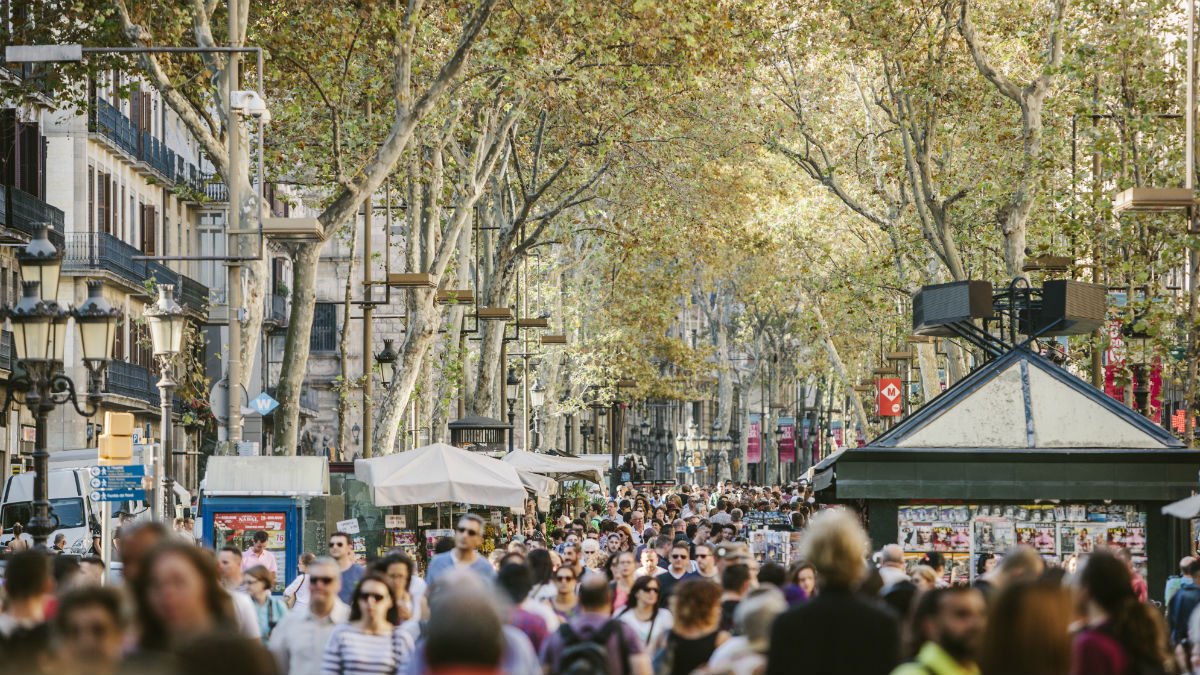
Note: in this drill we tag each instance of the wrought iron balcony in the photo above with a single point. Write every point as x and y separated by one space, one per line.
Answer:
110 123
156 154
193 295
23 211
91 251
132 381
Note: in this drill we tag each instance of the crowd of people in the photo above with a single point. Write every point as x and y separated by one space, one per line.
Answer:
661 583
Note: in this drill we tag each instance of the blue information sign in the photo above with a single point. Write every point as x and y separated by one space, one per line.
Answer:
118 483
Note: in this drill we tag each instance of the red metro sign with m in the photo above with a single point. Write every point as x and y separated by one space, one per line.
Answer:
888 392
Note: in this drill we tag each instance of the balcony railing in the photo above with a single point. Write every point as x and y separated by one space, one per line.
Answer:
133 381
23 211
192 294
214 190
277 311
110 122
87 251
115 126
7 353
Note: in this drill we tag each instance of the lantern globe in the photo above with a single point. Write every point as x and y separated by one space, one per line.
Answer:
167 322
40 261
96 322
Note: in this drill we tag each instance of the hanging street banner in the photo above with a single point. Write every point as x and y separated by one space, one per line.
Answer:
754 440
787 439
888 392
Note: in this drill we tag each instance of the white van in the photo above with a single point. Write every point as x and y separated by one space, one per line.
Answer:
70 499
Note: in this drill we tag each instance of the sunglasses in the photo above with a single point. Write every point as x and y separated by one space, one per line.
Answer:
468 531
336 544
701 555
679 557
319 581
377 597
651 589
566 578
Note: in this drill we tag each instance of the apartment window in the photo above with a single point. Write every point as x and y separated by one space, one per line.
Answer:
121 224
149 218
102 206
324 329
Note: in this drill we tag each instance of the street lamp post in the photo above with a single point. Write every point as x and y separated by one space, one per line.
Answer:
512 386
39 335
537 397
167 322
386 359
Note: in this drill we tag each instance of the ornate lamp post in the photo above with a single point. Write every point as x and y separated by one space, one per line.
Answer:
167 323
386 359
512 387
39 335
537 397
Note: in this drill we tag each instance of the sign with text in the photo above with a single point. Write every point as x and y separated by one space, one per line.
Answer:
348 526
888 392
787 439
754 440
118 483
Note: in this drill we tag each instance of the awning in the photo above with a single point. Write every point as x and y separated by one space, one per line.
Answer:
267 476
538 484
561 468
441 473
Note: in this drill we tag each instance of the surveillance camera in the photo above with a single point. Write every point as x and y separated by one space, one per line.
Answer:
251 104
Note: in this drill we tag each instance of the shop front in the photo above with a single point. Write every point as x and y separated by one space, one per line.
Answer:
1021 452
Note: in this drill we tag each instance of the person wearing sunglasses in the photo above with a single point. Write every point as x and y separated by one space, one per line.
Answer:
465 554
643 614
565 601
298 642
678 571
372 643
342 551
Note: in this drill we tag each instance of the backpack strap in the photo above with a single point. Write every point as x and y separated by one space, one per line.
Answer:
569 636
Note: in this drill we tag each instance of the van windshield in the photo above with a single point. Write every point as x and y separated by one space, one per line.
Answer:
68 509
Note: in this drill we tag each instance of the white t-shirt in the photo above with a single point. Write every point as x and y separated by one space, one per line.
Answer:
649 632
299 588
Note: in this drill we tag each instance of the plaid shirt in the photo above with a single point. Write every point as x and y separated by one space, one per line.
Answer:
532 625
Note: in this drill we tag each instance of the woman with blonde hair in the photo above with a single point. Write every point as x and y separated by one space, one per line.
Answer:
924 577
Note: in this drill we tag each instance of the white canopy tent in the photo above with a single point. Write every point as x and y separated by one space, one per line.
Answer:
559 468
229 476
441 473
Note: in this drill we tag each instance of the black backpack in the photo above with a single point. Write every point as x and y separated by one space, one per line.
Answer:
588 654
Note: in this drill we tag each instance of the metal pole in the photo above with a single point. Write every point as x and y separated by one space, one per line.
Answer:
1189 434
612 449
234 224
511 416
367 338
166 456
41 525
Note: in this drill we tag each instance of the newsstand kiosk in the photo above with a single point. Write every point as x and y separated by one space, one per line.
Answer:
1021 451
244 495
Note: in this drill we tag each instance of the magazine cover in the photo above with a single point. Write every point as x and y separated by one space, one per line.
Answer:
1081 538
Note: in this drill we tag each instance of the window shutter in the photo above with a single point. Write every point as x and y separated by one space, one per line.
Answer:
91 199
148 227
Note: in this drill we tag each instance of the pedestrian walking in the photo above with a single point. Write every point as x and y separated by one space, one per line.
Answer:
948 626
592 641
464 618
513 580
838 631
297 593
258 554
735 584
678 571
624 574
1184 601
90 626
24 635
465 554
1120 633
341 549
233 578
643 614
1027 630
565 601
372 642
298 642
696 608
269 608
746 652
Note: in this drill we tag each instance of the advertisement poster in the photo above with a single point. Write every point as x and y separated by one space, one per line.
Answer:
431 539
1040 537
787 439
754 440
238 529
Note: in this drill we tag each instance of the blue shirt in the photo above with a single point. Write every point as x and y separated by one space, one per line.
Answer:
270 613
444 563
350 578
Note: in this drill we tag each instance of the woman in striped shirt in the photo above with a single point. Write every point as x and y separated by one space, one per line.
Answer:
372 643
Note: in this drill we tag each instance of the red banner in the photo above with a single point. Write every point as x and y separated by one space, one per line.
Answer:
888 392
754 440
787 440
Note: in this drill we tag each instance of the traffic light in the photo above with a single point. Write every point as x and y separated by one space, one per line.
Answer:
116 443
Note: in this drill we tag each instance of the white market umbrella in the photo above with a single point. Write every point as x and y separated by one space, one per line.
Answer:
561 468
440 473
1186 509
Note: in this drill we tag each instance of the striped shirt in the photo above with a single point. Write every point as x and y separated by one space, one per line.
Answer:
350 651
